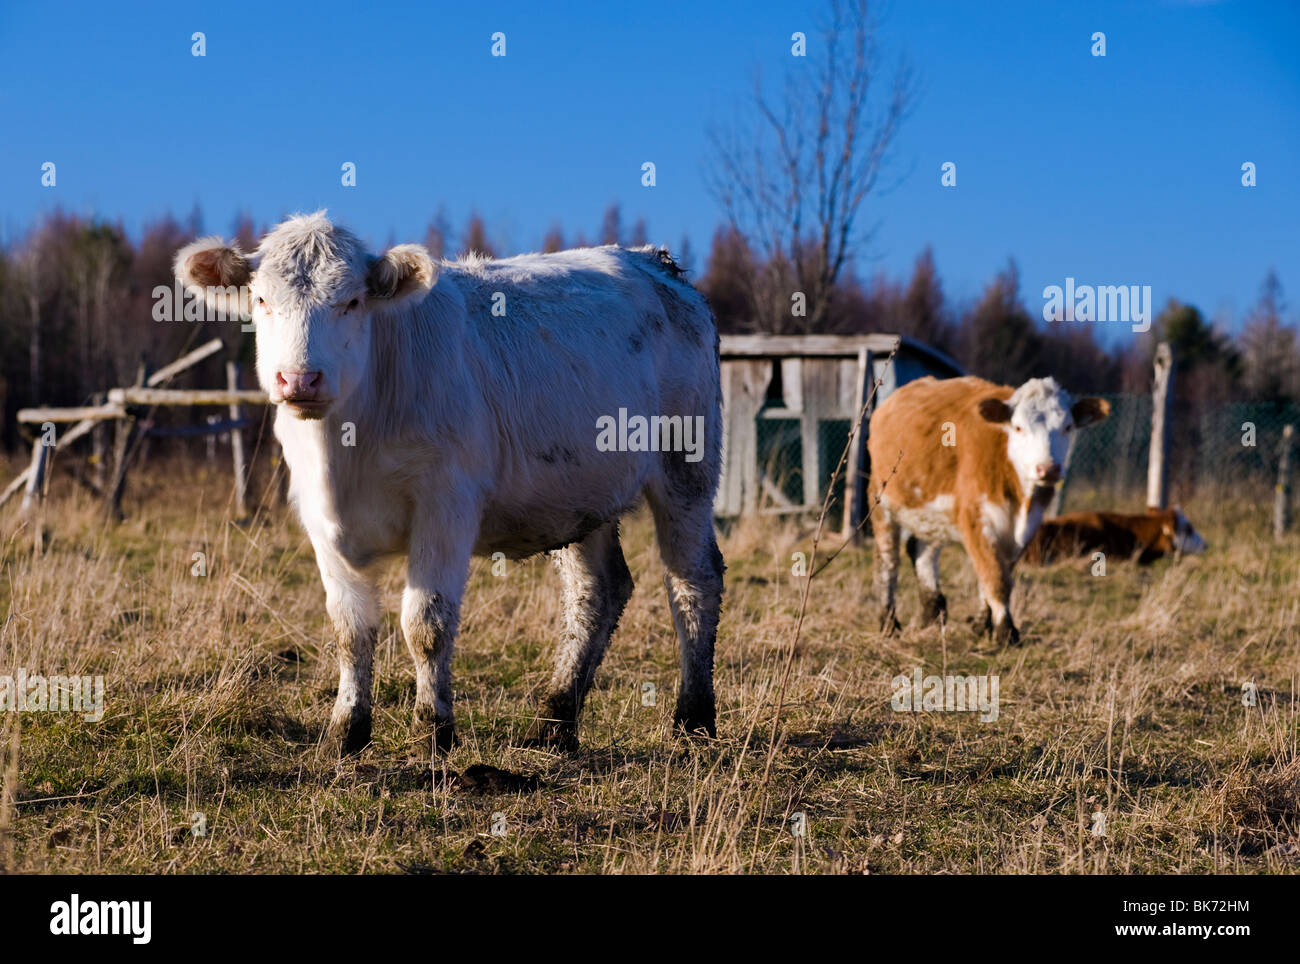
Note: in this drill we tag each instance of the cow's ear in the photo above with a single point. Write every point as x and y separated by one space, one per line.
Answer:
218 272
1089 411
401 273
995 410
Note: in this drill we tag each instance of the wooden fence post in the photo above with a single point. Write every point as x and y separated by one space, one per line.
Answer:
745 390
99 448
855 474
123 449
1162 395
237 444
1282 491
36 475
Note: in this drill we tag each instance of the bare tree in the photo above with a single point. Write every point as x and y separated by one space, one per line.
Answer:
38 267
794 178
1269 352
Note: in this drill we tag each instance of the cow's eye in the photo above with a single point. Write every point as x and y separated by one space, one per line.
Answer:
1019 429
353 303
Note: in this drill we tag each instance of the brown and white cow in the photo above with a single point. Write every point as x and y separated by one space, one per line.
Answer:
1148 536
965 459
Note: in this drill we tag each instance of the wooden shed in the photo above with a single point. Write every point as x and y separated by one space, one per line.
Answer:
789 402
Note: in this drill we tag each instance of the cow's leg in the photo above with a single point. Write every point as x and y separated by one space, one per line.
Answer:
352 601
886 533
596 587
925 560
687 544
436 570
993 571
983 623
429 622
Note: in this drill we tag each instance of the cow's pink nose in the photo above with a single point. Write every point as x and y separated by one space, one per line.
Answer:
298 386
1049 471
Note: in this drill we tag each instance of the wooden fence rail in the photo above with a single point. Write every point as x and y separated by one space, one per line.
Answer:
123 405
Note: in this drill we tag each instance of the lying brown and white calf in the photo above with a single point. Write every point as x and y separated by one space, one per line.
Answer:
1148 536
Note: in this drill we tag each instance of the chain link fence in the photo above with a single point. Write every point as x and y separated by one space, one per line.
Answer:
1225 448
780 460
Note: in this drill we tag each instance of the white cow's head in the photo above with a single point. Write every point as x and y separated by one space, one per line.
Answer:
1038 419
313 295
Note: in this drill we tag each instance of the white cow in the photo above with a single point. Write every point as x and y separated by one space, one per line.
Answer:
435 411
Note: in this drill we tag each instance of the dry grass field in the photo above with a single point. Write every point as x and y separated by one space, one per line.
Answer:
1126 697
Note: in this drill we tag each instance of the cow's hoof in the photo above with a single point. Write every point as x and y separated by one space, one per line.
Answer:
348 735
889 624
1006 634
558 735
982 625
432 734
696 718
933 608
556 728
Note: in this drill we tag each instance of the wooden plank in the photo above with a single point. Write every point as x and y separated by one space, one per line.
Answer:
744 392
124 447
237 445
848 376
722 503
855 469
84 413
36 476
807 346
177 396
99 449
819 389
71 435
74 433
791 386
168 372
19 481
776 497
1162 395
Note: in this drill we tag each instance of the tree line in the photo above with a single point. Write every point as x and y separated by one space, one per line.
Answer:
76 315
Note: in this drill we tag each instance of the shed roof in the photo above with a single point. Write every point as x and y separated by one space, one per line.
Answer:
845 346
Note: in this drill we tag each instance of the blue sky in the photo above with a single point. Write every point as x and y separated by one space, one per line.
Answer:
1115 170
